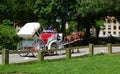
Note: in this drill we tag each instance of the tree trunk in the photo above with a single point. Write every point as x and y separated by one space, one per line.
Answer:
63 30
78 26
97 33
87 35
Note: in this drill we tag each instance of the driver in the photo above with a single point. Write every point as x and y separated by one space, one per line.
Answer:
50 27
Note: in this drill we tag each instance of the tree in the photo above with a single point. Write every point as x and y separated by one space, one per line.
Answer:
20 11
51 10
87 12
24 11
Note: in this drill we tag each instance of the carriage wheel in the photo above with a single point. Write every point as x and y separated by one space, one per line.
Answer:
38 45
53 46
21 48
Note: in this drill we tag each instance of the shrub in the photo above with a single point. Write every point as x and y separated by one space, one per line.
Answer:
8 37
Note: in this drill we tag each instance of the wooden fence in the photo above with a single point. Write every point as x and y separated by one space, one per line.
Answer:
5 52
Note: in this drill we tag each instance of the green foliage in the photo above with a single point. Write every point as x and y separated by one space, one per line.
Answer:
8 37
99 23
50 10
17 10
72 25
7 22
84 12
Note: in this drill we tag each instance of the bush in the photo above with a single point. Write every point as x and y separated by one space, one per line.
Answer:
8 37
7 22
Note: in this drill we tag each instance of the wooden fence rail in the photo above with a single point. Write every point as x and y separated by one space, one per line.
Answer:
6 52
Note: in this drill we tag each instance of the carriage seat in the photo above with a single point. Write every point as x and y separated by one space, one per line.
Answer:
45 36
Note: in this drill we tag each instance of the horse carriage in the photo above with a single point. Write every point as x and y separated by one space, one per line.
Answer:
33 41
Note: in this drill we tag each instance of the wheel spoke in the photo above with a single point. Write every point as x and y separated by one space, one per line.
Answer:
21 48
38 45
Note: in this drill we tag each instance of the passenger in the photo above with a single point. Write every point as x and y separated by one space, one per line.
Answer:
50 27
55 31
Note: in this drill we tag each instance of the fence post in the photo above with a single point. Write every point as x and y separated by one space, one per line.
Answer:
40 55
91 49
68 53
5 56
109 45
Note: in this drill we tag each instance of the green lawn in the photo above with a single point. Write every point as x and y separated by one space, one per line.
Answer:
98 64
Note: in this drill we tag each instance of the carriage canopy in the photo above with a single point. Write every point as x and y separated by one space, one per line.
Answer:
28 30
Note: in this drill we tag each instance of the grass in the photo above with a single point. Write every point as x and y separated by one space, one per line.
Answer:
97 64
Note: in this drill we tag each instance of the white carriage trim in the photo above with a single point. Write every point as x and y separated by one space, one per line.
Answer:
49 44
28 30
